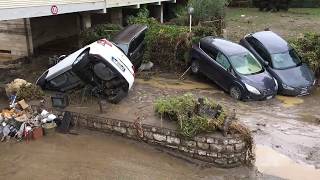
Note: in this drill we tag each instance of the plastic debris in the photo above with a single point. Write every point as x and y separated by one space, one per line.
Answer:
20 121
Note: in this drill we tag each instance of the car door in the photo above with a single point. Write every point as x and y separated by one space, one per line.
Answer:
207 62
224 71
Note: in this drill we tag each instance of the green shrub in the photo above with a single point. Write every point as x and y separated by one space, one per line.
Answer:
167 46
308 47
98 32
183 110
193 118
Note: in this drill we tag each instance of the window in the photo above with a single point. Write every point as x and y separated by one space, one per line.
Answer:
285 60
210 52
223 61
246 64
258 47
136 42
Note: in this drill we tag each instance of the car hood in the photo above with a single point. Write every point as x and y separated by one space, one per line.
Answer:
296 77
261 81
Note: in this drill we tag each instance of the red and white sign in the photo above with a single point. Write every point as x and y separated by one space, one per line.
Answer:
54 10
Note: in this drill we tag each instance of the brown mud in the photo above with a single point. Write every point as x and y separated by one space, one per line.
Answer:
93 155
288 125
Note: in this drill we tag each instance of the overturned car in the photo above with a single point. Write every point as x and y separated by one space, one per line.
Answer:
101 65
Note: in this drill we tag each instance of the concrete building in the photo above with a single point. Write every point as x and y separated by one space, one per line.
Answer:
26 25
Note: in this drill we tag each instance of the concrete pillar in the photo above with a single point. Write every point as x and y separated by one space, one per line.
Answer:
116 16
86 20
28 33
157 12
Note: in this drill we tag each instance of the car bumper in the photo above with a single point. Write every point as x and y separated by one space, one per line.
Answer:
298 91
266 95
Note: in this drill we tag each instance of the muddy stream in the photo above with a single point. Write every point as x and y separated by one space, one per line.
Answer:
286 131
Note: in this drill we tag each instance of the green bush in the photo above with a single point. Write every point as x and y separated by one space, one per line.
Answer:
167 46
183 110
193 118
98 32
308 47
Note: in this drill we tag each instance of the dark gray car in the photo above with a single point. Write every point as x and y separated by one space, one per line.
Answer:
294 77
233 68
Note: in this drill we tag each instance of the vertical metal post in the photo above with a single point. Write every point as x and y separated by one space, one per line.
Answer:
190 23
105 7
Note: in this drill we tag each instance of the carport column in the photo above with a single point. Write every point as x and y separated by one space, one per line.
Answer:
86 20
157 12
116 16
28 33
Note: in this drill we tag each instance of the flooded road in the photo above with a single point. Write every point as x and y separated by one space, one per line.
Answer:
289 126
286 131
271 162
92 155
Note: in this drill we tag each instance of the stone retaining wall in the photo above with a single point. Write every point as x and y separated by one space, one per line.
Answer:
214 148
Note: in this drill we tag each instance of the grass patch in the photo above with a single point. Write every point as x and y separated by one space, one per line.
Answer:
287 24
202 115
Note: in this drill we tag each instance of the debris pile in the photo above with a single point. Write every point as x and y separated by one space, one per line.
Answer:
20 121
23 90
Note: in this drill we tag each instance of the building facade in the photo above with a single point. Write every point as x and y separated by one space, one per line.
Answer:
27 24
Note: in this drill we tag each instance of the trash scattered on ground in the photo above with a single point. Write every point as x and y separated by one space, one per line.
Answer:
55 59
146 66
23 90
60 101
14 86
21 122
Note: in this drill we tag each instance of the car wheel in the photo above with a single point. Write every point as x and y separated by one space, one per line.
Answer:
235 93
117 96
195 66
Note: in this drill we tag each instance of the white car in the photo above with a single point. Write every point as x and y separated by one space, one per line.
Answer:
101 64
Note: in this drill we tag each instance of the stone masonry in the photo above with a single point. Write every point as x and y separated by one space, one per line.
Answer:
215 149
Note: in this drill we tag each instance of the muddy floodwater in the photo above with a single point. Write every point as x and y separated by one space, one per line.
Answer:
286 132
91 155
271 162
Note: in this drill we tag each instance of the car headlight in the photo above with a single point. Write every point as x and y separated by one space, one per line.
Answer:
252 89
276 82
287 87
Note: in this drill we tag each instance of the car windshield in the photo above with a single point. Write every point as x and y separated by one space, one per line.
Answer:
246 64
285 60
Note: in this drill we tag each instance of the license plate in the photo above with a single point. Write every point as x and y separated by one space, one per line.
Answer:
304 92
